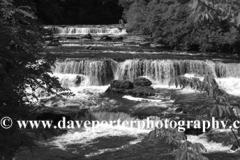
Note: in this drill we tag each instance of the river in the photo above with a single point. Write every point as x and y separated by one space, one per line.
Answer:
99 61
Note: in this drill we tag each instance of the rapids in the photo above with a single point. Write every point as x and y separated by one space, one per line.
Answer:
89 74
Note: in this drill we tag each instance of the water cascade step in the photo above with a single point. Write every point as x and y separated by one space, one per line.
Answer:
102 72
83 30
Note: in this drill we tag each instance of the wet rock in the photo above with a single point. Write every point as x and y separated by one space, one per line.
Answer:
235 146
72 37
90 48
106 38
122 84
127 88
178 110
142 82
142 91
78 80
54 42
87 36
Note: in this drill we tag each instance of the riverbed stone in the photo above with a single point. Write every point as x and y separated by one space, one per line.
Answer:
127 88
121 84
142 82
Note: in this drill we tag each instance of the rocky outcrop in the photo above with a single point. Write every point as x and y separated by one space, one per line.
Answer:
142 82
78 80
122 84
143 88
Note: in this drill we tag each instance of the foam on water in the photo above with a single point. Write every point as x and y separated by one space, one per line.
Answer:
86 135
141 99
230 85
83 30
153 52
210 146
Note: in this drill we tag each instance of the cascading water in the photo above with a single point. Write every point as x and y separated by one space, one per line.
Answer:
88 79
82 30
101 72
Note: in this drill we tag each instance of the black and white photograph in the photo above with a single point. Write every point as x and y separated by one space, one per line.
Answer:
119 80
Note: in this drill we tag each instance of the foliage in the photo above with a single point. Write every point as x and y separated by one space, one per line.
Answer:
228 10
23 69
224 109
172 23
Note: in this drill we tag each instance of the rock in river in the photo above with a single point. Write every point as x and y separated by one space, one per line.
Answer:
127 88
142 82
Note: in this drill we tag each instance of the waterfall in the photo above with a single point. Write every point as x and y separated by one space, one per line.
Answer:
99 72
161 71
83 30
102 72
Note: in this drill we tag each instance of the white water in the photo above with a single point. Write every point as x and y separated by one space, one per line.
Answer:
83 30
97 74
230 85
87 136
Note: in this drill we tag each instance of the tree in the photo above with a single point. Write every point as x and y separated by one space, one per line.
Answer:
23 69
224 10
224 108
173 23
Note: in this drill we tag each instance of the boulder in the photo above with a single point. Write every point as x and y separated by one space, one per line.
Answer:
127 88
142 82
141 91
122 84
235 146
78 80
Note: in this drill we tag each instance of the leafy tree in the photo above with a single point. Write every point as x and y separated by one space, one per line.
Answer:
24 68
224 10
224 108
